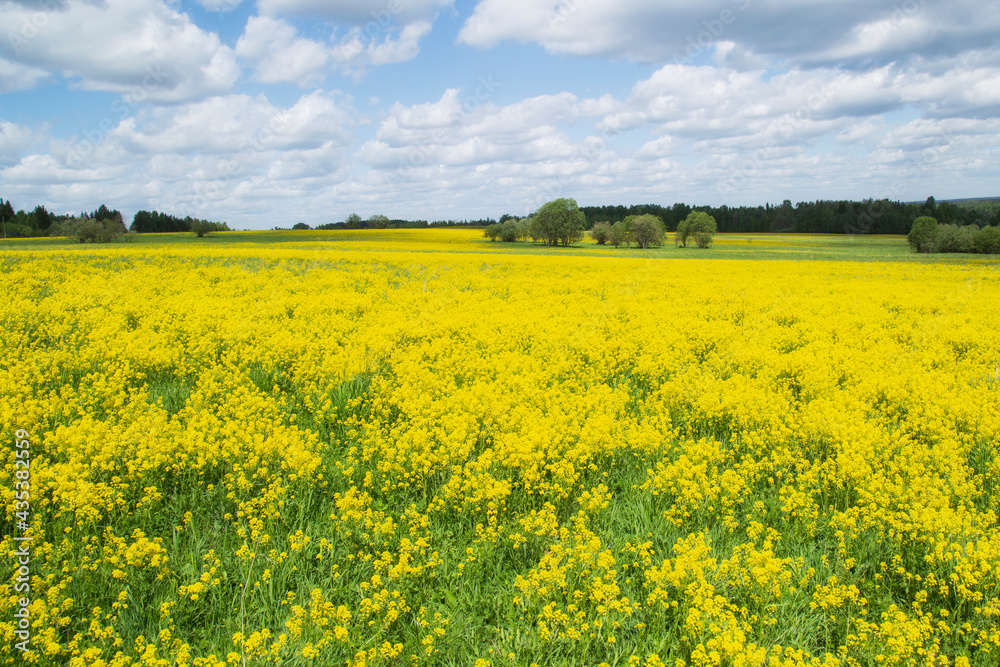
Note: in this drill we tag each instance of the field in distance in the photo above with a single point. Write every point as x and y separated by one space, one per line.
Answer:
464 239
420 447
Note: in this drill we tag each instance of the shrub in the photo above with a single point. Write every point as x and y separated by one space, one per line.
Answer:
952 238
492 232
204 227
511 231
923 234
618 234
697 225
648 230
600 232
987 240
89 230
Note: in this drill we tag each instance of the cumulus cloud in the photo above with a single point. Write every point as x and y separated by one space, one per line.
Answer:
220 5
121 45
355 12
850 32
281 56
14 141
234 123
16 76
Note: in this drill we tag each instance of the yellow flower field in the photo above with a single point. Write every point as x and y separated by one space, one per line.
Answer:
418 448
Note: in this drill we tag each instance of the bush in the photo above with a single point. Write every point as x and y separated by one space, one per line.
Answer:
89 230
600 232
204 227
618 234
512 230
923 234
987 240
697 225
952 238
648 230
492 232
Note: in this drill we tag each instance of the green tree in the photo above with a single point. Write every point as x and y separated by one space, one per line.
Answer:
648 230
492 232
699 226
204 227
952 238
91 230
987 241
923 234
511 231
600 232
559 222
354 221
378 221
682 233
618 234
301 225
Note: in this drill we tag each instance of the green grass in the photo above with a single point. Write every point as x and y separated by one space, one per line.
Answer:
791 246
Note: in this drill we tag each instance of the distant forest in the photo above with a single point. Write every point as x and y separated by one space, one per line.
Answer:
818 217
40 222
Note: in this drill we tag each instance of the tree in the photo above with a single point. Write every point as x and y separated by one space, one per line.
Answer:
647 230
987 241
354 221
600 232
301 225
682 233
492 232
618 234
559 222
697 225
378 221
923 234
204 227
91 230
41 219
952 238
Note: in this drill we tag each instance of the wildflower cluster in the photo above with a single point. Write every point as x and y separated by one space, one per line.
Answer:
328 452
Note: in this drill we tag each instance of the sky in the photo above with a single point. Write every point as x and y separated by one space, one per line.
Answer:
265 113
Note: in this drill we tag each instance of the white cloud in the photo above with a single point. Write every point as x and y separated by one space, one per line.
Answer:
356 12
14 141
123 46
800 33
235 123
282 56
400 50
220 5
16 76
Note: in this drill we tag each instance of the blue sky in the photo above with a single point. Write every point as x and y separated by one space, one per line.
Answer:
271 112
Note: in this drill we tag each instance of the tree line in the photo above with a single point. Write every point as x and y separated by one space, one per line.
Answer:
562 222
927 235
103 224
818 217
